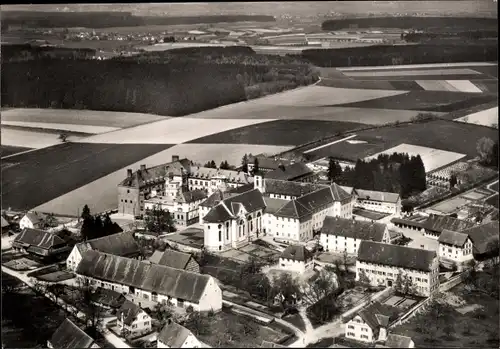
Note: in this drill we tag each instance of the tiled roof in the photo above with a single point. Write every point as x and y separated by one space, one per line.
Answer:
273 205
216 197
436 223
128 312
4 222
217 214
378 315
347 189
35 217
251 200
297 253
290 188
69 336
171 258
453 238
108 297
121 244
377 195
173 335
397 341
482 235
372 215
267 344
38 238
290 172
156 173
339 194
150 277
191 196
231 176
316 200
294 210
362 230
265 162
241 189
395 255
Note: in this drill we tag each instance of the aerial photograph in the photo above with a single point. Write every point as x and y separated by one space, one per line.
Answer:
303 174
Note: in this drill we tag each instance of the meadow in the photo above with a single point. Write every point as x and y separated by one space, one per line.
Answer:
31 138
6 150
486 117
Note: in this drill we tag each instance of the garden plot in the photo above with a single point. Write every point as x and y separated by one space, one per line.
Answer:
171 131
464 86
61 127
450 206
31 139
432 158
100 195
474 195
486 117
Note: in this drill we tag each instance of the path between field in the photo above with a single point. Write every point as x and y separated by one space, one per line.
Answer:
326 145
491 184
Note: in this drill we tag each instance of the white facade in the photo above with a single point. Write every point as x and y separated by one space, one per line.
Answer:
141 323
25 222
359 330
455 253
190 342
334 243
425 283
296 266
380 206
73 259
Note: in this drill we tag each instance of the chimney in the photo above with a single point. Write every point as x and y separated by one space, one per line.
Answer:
143 167
175 158
129 172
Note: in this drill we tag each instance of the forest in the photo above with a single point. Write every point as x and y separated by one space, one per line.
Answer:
414 22
396 173
164 83
103 19
408 54
24 52
462 35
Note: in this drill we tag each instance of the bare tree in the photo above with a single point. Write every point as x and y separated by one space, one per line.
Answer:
57 290
93 313
323 285
63 137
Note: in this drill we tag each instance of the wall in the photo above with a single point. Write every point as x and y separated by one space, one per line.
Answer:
211 298
191 342
452 282
410 313
296 266
356 328
25 223
379 206
128 201
455 253
73 259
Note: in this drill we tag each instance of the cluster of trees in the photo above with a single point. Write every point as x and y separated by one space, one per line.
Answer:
158 220
94 227
27 52
245 160
478 51
224 165
397 173
462 35
487 150
162 83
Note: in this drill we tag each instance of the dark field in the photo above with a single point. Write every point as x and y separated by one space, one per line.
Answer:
372 84
495 187
47 130
441 134
493 201
403 77
6 150
470 110
40 176
438 101
280 132
488 86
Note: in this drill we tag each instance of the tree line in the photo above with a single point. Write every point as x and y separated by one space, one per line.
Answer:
396 173
479 51
94 227
462 35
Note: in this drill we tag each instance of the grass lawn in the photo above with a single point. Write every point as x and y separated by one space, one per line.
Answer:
474 324
493 201
63 168
6 150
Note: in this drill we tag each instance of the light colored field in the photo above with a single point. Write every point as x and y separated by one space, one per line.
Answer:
436 85
172 131
101 195
463 71
432 158
62 127
474 195
79 117
464 86
486 117
432 65
450 206
30 139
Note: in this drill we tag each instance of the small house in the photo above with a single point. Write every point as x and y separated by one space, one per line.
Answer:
455 247
397 341
175 259
69 336
174 335
371 323
107 298
131 319
40 243
296 258
32 220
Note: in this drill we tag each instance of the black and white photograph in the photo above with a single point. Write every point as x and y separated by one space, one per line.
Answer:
268 174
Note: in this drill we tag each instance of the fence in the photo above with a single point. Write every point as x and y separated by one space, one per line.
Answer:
452 282
377 296
410 313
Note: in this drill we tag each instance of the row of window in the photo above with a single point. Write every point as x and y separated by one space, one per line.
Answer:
378 272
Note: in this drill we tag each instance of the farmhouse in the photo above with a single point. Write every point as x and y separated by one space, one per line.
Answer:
371 323
150 281
382 263
39 243
485 240
121 244
175 259
344 235
266 164
131 319
174 335
69 336
298 172
434 225
454 247
378 201
296 258
32 220
167 180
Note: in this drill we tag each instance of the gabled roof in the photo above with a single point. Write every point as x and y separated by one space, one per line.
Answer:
217 214
362 230
453 238
482 235
121 244
4 222
161 279
297 253
191 196
156 173
173 335
436 223
69 336
231 175
108 297
216 197
348 190
395 255
34 217
274 205
290 188
128 312
378 315
339 194
317 199
397 341
294 210
251 200
38 238
171 258
266 162
377 195
290 172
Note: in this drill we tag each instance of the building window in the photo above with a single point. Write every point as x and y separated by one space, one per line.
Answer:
146 323
350 327
220 235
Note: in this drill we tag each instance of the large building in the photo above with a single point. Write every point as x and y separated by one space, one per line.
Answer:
40 244
170 182
150 281
175 259
298 172
378 201
265 163
455 247
382 263
344 235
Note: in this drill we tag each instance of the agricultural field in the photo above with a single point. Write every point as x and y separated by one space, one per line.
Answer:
51 172
432 158
493 201
58 127
31 139
486 117
439 134
100 194
6 150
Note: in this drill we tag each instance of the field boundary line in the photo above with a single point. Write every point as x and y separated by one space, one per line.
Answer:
425 65
326 145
